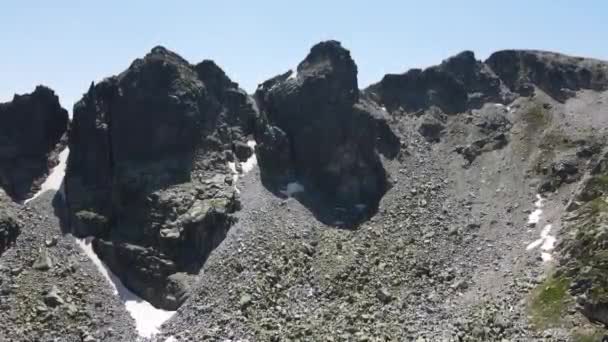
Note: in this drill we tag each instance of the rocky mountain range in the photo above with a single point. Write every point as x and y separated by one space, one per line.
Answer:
463 202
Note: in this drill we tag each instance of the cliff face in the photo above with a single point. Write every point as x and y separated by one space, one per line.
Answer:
147 172
319 130
31 126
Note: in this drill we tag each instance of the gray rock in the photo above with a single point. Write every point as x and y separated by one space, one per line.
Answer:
52 298
44 262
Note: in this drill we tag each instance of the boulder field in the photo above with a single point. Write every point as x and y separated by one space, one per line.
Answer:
313 209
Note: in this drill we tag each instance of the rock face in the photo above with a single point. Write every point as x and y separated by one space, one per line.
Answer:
459 83
31 127
147 172
318 129
556 74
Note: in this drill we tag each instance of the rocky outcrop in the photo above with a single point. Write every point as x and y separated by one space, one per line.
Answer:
488 128
318 128
556 74
462 83
459 83
583 262
147 172
31 126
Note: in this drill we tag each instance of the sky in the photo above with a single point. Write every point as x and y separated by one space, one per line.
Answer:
67 44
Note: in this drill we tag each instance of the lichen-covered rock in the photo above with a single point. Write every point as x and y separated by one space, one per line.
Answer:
31 126
148 162
317 128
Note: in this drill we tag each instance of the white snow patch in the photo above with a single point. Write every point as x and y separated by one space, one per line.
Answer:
294 74
54 180
384 109
546 256
535 215
499 105
246 166
171 339
292 189
534 244
546 242
148 319
252 161
539 201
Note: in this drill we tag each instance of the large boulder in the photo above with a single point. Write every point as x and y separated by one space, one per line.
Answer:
556 74
317 128
31 127
147 172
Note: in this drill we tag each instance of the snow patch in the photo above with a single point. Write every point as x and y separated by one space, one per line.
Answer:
171 339
294 74
540 201
252 161
534 244
535 215
546 242
246 166
546 256
54 180
148 319
292 189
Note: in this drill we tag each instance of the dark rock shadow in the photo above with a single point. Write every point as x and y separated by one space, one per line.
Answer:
323 208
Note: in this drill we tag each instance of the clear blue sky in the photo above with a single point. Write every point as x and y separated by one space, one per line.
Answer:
67 44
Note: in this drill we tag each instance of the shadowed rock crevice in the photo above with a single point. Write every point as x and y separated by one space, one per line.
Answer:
31 129
316 128
147 172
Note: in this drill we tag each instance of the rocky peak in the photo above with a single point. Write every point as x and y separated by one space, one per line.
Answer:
556 74
458 83
317 130
213 76
31 126
330 60
147 172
